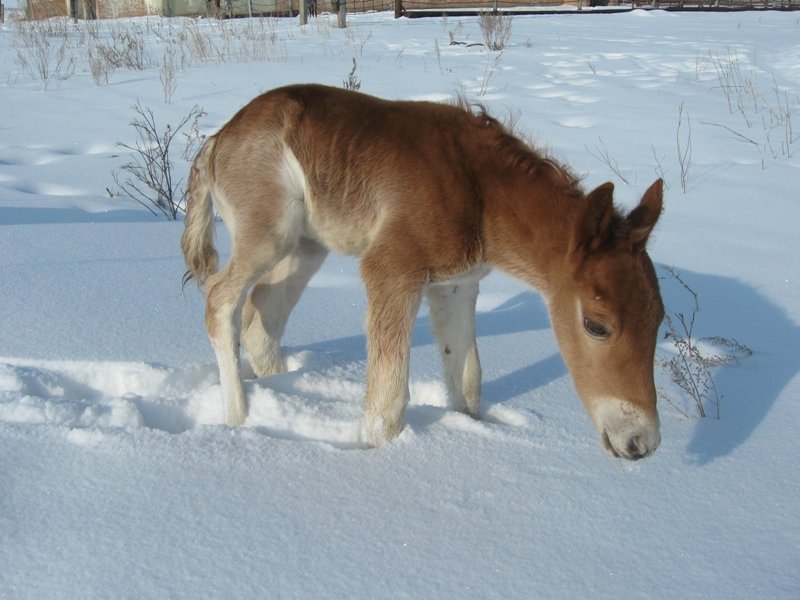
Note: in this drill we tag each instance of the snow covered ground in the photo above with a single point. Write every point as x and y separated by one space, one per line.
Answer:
117 479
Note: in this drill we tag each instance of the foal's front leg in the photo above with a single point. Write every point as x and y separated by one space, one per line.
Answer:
392 304
452 309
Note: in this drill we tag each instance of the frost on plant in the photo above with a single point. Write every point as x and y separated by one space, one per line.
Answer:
692 360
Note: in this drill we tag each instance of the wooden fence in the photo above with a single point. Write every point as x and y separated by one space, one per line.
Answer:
39 9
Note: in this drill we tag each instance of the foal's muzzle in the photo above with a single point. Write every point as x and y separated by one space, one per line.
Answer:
626 431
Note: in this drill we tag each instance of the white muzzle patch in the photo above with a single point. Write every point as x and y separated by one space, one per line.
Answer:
626 431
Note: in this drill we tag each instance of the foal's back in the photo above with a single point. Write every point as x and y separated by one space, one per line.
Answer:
356 168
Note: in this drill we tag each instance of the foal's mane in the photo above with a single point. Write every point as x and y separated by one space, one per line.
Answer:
517 152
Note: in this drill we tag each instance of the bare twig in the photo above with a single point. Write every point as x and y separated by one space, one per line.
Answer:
150 171
168 74
740 136
489 72
602 154
352 82
684 145
659 164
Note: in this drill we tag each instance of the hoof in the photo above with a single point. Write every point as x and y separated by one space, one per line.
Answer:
377 432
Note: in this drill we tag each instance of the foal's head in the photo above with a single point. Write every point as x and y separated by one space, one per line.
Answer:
606 315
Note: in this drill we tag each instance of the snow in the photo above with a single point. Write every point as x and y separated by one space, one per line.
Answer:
118 479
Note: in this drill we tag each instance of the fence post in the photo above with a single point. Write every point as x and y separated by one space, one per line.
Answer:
303 12
342 17
398 9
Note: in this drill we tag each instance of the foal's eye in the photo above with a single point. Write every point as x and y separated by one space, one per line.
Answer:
596 328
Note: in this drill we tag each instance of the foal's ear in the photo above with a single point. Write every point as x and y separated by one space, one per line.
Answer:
643 218
595 224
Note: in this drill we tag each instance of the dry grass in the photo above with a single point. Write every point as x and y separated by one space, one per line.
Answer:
496 30
692 361
148 177
56 49
762 109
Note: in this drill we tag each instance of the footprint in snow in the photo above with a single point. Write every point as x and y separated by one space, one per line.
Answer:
323 405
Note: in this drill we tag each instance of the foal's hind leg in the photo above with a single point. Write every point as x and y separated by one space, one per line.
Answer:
254 252
452 309
269 305
224 294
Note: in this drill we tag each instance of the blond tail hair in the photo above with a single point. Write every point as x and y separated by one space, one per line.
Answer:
197 241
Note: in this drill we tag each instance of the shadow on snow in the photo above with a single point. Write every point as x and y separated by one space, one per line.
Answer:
728 308
734 310
524 312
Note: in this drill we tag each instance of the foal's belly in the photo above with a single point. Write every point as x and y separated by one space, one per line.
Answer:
351 239
470 276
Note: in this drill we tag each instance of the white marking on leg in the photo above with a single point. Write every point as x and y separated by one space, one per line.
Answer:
452 308
231 383
223 317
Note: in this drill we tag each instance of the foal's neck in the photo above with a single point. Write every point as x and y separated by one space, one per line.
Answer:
530 215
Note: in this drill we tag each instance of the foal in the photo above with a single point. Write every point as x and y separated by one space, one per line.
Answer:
430 196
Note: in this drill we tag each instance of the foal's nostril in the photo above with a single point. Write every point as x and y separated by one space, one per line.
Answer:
636 448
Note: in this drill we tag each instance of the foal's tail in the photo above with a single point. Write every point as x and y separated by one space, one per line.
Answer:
197 241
